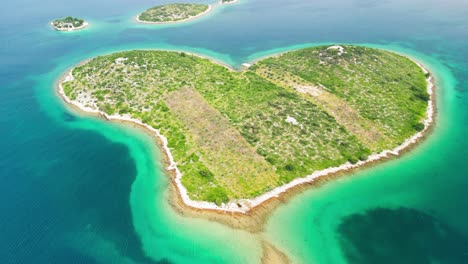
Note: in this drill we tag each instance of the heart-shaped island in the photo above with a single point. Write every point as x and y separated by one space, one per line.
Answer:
238 138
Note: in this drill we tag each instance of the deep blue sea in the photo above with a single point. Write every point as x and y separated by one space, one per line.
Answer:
77 189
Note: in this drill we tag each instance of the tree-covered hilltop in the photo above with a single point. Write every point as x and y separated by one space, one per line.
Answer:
237 135
172 12
68 23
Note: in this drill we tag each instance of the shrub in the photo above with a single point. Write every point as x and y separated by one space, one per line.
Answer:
109 109
424 96
419 126
353 160
217 195
271 160
206 174
289 167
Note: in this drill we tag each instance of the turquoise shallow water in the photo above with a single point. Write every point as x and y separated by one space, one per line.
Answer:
81 190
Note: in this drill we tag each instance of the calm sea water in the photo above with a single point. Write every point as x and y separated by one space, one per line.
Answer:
77 189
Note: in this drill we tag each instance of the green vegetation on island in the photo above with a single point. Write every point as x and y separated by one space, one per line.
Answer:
378 95
172 12
69 23
237 135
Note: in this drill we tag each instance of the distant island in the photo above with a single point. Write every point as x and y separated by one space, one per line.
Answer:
234 139
173 13
69 24
176 13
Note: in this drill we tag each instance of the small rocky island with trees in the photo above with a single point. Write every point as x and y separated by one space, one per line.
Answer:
69 24
173 13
